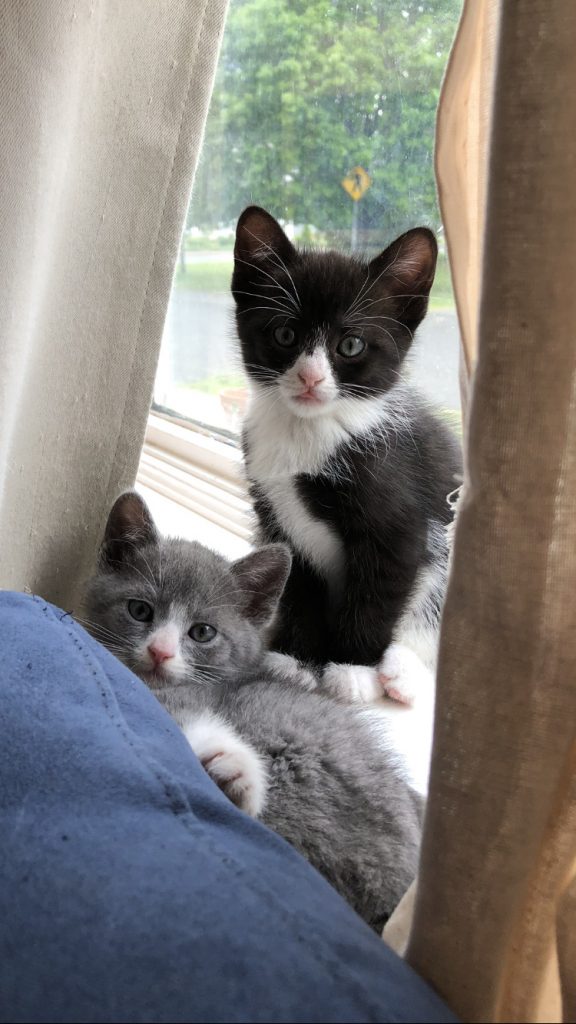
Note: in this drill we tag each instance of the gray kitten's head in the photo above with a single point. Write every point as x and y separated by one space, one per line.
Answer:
174 611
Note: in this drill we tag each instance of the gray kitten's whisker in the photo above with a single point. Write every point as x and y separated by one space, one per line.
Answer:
95 625
134 543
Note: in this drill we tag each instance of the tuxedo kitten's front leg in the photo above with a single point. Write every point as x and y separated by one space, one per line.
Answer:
403 675
400 675
233 764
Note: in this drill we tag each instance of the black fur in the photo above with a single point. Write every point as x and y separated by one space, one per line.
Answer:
380 492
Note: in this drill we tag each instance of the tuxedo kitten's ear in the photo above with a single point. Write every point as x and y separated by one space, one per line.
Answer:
261 576
406 270
259 238
129 525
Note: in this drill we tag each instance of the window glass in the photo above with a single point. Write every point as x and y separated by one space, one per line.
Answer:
313 99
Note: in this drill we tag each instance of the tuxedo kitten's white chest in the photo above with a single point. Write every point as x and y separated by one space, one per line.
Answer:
315 539
280 447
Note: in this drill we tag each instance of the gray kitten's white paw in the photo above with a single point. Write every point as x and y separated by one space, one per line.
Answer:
230 761
357 683
285 667
402 676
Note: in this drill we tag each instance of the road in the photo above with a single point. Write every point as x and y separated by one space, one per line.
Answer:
199 343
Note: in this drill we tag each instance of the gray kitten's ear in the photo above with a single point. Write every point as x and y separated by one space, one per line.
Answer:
129 525
261 577
260 237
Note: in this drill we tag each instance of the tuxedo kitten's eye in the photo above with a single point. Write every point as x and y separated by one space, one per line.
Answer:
202 633
141 611
349 347
284 336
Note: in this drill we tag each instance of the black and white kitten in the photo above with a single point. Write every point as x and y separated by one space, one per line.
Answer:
346 462
323 775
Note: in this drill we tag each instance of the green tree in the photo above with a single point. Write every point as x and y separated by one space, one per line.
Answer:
308 89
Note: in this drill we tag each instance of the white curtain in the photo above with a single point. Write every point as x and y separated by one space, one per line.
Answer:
102 109
495 916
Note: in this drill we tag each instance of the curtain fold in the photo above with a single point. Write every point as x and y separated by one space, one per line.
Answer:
494 920
102 109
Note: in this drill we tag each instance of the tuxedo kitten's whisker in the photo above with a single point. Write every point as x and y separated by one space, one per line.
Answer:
259 270
371 286
263 369
366 319
277 259
267 298
269 309
278 317
359 295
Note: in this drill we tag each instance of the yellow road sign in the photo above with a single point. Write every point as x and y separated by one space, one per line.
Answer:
357 183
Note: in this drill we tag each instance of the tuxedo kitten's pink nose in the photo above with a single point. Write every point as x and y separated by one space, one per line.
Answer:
159 653
309 377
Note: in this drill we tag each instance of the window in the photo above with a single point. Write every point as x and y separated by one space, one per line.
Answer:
309 93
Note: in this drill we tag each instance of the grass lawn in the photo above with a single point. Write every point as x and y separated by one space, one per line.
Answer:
214 276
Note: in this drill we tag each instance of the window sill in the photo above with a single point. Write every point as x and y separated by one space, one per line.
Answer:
194 485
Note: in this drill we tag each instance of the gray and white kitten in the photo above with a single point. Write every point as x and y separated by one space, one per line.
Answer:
316 771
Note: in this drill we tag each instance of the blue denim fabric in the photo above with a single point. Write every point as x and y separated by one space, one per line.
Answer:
130 888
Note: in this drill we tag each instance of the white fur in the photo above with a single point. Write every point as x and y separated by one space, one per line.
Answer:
315 368
401 676
289 669
283 443
314 538
417 629
167 634
405 733
356 683
235 766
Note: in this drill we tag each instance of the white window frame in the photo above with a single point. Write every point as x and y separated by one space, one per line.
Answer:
193 468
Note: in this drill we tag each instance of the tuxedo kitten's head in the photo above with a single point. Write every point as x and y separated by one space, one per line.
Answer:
322 328
172 610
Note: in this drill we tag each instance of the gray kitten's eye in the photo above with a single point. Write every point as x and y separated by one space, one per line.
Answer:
141 611
284 336
202 633
349 347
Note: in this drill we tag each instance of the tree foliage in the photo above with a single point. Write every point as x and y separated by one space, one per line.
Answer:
308 89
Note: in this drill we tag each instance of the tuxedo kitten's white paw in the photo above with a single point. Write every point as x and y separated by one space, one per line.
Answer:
230 761
358 683
402 675
284 666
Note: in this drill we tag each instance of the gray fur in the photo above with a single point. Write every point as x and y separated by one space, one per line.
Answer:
336 792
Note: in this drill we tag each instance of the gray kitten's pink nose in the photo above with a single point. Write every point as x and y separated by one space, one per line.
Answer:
159 653
310 377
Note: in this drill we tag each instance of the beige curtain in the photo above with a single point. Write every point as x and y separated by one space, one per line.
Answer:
495 916
102 108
